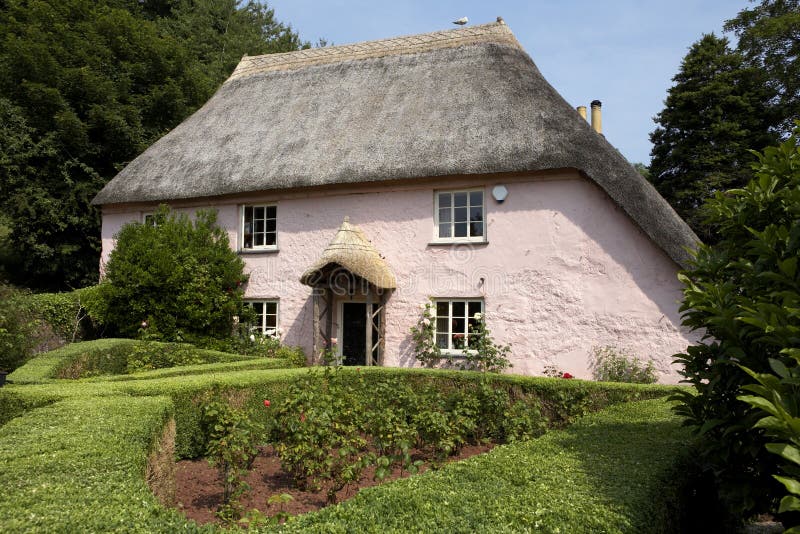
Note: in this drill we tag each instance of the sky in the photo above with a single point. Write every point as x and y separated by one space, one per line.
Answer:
621 52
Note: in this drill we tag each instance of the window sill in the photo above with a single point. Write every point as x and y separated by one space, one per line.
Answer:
256 251
451 242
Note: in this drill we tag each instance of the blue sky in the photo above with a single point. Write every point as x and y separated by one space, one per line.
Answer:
622 52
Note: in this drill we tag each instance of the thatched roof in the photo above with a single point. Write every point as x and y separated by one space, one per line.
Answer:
351 250
460 102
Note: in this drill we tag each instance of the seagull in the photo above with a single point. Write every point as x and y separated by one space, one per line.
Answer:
461 21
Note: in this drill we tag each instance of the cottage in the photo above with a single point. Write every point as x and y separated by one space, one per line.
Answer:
359 182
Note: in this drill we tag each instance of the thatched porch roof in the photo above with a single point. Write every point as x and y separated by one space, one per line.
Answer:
351 250
461 102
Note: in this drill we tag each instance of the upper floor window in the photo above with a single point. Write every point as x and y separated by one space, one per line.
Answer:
456 320
266 316
460 216
259 227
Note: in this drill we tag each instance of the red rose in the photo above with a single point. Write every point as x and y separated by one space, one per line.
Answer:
302 418
266 403
567 375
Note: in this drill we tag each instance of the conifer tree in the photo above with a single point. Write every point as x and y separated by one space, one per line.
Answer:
714 114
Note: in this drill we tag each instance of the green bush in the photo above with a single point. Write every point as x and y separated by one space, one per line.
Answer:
18 329
173 278
742 293
610 364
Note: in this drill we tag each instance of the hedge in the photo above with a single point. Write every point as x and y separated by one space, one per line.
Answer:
112 357
617 471
73 452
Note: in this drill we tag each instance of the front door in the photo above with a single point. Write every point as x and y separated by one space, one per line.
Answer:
354 333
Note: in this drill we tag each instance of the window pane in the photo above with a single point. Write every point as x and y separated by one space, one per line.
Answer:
259 226
458 309
445 230
475 306
271 307
258 213
442 309
442 325
271 212
270 225
441 340
444 200
460 230
270 239
460 200
476 198
460 215
459 325
444 215
248 214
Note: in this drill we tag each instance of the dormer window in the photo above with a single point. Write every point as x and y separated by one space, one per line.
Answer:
259 227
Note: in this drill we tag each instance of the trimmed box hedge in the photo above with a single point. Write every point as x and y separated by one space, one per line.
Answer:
73 454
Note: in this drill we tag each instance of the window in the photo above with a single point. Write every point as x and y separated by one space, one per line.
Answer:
259 230
460 216
266 316
148 218
455 320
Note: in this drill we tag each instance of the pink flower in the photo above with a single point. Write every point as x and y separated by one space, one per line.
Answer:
567 375
266 403
302 418
458 336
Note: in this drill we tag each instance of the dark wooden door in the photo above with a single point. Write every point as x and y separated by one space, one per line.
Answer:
354 332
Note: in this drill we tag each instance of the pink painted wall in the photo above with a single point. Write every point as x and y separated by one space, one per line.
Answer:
564 268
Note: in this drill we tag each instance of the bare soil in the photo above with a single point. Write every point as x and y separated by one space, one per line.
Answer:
199 490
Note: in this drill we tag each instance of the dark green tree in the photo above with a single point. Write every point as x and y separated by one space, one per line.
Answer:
181 277
713 115
769 39
743 294
87 86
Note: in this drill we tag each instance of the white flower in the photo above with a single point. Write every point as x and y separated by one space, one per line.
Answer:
334 341
252 337
478 316
279 332
426 321
423 307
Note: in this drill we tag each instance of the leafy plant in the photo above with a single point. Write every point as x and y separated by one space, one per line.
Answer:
742 294
483 354
426 350
232 446
17 329
177 276
611 364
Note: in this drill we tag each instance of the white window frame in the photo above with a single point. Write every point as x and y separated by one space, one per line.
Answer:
258 248
149 215
262 317
451 348
451 223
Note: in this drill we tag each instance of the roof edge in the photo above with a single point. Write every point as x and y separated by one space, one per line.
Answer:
495 32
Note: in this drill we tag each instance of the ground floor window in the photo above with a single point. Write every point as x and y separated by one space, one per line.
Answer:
455 321
266 316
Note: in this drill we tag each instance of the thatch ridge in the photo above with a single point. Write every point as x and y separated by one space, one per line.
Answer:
353 251
474 109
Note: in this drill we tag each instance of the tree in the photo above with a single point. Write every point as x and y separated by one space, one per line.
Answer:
713 115
743 294
769 39
173 278
87 86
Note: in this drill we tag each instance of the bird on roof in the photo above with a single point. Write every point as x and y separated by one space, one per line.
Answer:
461 21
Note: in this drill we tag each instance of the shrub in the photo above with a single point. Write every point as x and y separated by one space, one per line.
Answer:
742 293
17 329
610 364
175 277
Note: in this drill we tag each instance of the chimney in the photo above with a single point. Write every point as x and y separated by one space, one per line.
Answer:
597 118
582 111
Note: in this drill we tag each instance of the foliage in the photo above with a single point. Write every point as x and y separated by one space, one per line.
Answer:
175 276
574 480
776 396
713 115
17 329
233 439
423 334
86 87
742 293
767 38
611 364
483 353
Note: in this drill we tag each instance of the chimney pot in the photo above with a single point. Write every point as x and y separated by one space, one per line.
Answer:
582 111
597 117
